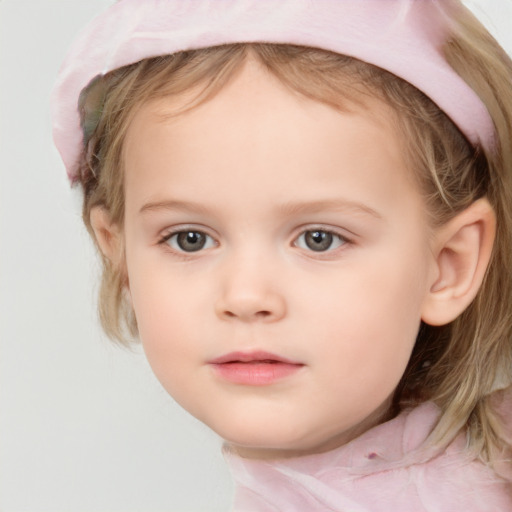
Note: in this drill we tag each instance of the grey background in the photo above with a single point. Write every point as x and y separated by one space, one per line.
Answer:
84 426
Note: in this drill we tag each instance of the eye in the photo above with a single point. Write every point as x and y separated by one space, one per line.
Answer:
189 241
320 240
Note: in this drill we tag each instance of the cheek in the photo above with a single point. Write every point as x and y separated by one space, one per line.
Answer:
167 315
370 322
366 352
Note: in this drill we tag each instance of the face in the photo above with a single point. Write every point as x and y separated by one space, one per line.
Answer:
278 260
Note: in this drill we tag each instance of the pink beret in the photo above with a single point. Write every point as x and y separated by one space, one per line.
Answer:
404 37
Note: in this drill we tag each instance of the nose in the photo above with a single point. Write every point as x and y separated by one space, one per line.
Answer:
250 293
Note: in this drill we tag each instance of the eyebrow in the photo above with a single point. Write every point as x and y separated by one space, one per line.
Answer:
287 209
294 208
184 206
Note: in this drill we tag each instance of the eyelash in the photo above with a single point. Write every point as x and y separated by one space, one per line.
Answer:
342 240
166 239
334 235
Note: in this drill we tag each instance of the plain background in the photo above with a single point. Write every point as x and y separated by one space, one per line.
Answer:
84 426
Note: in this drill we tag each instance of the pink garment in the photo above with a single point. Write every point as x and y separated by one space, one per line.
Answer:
368 475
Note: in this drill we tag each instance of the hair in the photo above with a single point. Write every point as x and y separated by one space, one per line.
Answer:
459 366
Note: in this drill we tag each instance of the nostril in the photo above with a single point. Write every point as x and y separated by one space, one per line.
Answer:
262 314
250 308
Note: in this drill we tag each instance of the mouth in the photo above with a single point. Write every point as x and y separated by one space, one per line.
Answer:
256 368
257 356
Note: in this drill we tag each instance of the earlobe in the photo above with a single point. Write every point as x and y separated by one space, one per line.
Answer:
463 251
107 233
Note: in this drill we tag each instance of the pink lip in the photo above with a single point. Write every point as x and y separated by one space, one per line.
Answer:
256 368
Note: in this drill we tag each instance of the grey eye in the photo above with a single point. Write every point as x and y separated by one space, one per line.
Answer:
319 240
190 241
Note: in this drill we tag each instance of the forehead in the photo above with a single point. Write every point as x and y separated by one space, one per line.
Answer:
256 126
252 84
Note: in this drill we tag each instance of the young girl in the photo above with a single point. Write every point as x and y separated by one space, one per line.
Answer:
304 211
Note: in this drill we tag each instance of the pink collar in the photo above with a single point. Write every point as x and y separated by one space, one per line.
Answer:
377 472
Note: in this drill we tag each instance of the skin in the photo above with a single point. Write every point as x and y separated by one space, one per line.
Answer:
254 169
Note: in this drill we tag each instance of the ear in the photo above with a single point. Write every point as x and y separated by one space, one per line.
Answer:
463 248
108 234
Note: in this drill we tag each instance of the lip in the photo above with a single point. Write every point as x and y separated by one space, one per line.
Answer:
247 357
256 368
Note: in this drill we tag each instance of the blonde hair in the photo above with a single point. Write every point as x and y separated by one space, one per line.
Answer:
459 366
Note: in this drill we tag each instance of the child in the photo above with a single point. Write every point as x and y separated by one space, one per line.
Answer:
304 211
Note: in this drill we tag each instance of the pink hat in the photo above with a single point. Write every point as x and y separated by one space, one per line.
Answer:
404 37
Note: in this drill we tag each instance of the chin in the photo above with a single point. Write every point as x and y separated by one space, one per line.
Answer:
271 441
265 438
258 434
258 439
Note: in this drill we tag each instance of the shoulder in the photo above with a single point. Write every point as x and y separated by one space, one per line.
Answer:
445 481
453 479
456 480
